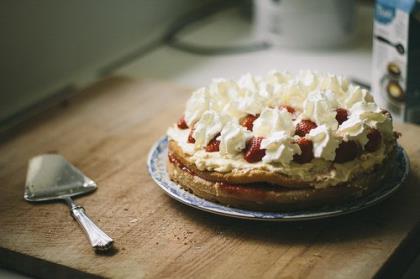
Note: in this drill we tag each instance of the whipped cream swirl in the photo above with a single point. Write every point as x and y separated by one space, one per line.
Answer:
197 105
280 148
324 143
209 125
355 129
355 94
273 120
233 139
368 112
320 108
363 117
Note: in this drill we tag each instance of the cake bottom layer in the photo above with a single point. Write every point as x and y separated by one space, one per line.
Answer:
263 196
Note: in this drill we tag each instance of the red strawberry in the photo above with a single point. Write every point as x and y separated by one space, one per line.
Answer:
374 142
253 153
342 115
190 137
182 124
288 108
346 151
213 145
306 146
248 121
304 126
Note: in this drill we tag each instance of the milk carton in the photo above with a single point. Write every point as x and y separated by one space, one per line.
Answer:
396 58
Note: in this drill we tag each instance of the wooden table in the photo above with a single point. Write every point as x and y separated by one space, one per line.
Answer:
107 132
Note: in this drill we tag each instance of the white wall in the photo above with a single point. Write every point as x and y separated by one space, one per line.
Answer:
48 44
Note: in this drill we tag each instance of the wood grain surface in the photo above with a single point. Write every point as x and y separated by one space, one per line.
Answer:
107 132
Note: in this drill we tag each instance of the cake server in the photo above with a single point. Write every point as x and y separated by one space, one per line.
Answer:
51 177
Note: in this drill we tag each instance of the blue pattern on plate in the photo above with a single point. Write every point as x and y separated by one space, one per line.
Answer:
156 164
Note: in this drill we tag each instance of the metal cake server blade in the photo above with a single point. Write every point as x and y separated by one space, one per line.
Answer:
51 177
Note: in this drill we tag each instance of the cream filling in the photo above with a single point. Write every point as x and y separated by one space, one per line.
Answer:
319 172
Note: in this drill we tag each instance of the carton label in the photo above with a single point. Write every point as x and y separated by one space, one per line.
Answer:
391 58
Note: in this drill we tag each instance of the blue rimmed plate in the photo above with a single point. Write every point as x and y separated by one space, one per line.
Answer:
157 161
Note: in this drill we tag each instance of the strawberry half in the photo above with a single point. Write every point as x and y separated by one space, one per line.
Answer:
288 108
374 142
213 145
306 146
346 151
303 127
248 121
182 124
190 137
253 153
342 115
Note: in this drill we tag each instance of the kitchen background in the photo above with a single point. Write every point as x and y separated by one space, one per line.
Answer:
52 48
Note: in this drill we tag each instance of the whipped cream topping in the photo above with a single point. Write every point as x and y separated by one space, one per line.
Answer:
221 92
233 139
354 128
324 143
248 82
210 124
363 118
246 102
279 148
338 84
310 92
320 107
369 112
197 105
277 77
221 106
355 94
271 121
291 94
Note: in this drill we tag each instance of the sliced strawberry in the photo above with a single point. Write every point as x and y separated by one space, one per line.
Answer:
303 127
190 137
306 146
342 115
253 153
346 151
374 142
248 121
288 108
213 145
182 124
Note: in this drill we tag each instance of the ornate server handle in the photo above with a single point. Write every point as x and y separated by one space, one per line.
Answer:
99 240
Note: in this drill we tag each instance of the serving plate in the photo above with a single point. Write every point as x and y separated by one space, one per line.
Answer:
157 161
